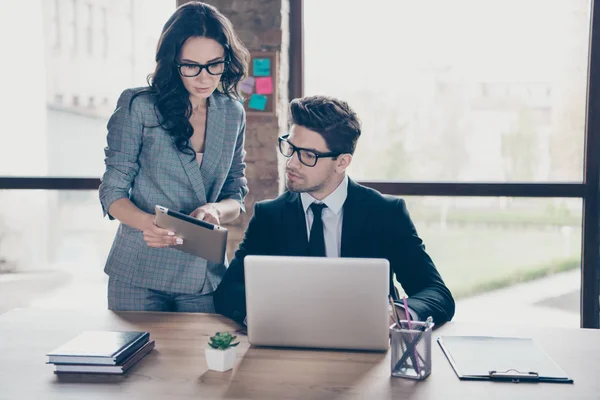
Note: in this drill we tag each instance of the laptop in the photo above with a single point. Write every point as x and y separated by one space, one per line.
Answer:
317 302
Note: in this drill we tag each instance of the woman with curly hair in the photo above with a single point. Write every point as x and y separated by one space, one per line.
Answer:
178 143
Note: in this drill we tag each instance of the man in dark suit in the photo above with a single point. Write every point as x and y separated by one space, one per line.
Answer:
325 213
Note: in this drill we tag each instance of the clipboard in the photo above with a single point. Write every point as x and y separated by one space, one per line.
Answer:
200 238
500 359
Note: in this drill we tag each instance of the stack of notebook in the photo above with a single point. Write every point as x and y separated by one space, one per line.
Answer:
101 352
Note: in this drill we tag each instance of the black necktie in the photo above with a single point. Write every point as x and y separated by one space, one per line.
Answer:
316 242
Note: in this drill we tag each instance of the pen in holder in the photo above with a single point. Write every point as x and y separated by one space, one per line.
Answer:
411 349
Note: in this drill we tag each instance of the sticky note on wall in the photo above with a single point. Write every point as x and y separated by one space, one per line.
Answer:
247 85
264 85
258 102
261 67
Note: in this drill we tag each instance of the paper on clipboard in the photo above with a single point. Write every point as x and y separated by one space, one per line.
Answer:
500 358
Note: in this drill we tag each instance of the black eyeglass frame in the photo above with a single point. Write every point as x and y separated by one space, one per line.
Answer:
202 67
297 150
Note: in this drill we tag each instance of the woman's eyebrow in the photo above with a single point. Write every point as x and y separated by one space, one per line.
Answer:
187 60
216 59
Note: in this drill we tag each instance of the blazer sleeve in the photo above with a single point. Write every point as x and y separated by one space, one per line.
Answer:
230 296
236 184
124 141
415 270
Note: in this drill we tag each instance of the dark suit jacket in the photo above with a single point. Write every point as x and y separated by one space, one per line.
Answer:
374 226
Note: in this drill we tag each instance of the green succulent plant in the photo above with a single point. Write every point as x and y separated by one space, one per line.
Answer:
222 341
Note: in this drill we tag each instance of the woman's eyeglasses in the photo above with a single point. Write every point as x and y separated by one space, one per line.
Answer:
189 70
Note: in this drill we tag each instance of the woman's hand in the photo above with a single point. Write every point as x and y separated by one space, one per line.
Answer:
159 237
209 213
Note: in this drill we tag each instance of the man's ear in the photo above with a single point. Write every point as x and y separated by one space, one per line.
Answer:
343 162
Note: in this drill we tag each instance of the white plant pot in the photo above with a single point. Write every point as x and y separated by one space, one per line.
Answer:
220 360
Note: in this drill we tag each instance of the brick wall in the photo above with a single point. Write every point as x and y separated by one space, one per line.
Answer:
263 25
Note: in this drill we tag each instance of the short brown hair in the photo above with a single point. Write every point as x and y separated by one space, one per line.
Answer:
334 119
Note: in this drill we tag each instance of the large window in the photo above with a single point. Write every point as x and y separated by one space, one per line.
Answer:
490 250
473 98
52 241
65 64
63 77
460 90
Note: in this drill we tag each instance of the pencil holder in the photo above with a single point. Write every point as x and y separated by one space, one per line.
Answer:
411 350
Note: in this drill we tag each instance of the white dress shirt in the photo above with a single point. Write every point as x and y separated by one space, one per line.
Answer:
332 217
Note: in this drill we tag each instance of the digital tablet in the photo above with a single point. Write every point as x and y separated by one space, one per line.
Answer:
200 238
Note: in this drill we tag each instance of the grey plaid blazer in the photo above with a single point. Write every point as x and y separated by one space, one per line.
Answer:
143 164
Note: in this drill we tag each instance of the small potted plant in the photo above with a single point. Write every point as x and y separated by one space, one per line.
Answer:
220 356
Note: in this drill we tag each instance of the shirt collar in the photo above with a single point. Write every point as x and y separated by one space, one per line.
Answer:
335 200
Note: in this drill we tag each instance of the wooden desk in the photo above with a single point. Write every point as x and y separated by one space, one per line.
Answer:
176 369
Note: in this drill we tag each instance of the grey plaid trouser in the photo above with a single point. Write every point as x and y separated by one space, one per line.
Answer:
126 297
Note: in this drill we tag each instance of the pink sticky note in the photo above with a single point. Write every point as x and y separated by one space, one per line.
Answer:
264 85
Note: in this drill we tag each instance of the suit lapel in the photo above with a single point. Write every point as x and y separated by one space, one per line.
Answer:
295 226
200 177
354 221
213 138
190 166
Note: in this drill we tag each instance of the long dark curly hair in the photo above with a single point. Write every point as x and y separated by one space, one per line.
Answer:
172 101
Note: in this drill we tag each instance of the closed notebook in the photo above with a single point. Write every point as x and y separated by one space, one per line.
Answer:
107 369
99 347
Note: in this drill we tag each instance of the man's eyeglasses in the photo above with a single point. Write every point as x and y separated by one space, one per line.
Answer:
306 156
189 70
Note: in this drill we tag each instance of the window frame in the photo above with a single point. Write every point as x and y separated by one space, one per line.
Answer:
588 190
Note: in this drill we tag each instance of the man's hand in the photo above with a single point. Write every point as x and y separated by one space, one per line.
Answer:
158 237
209 213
